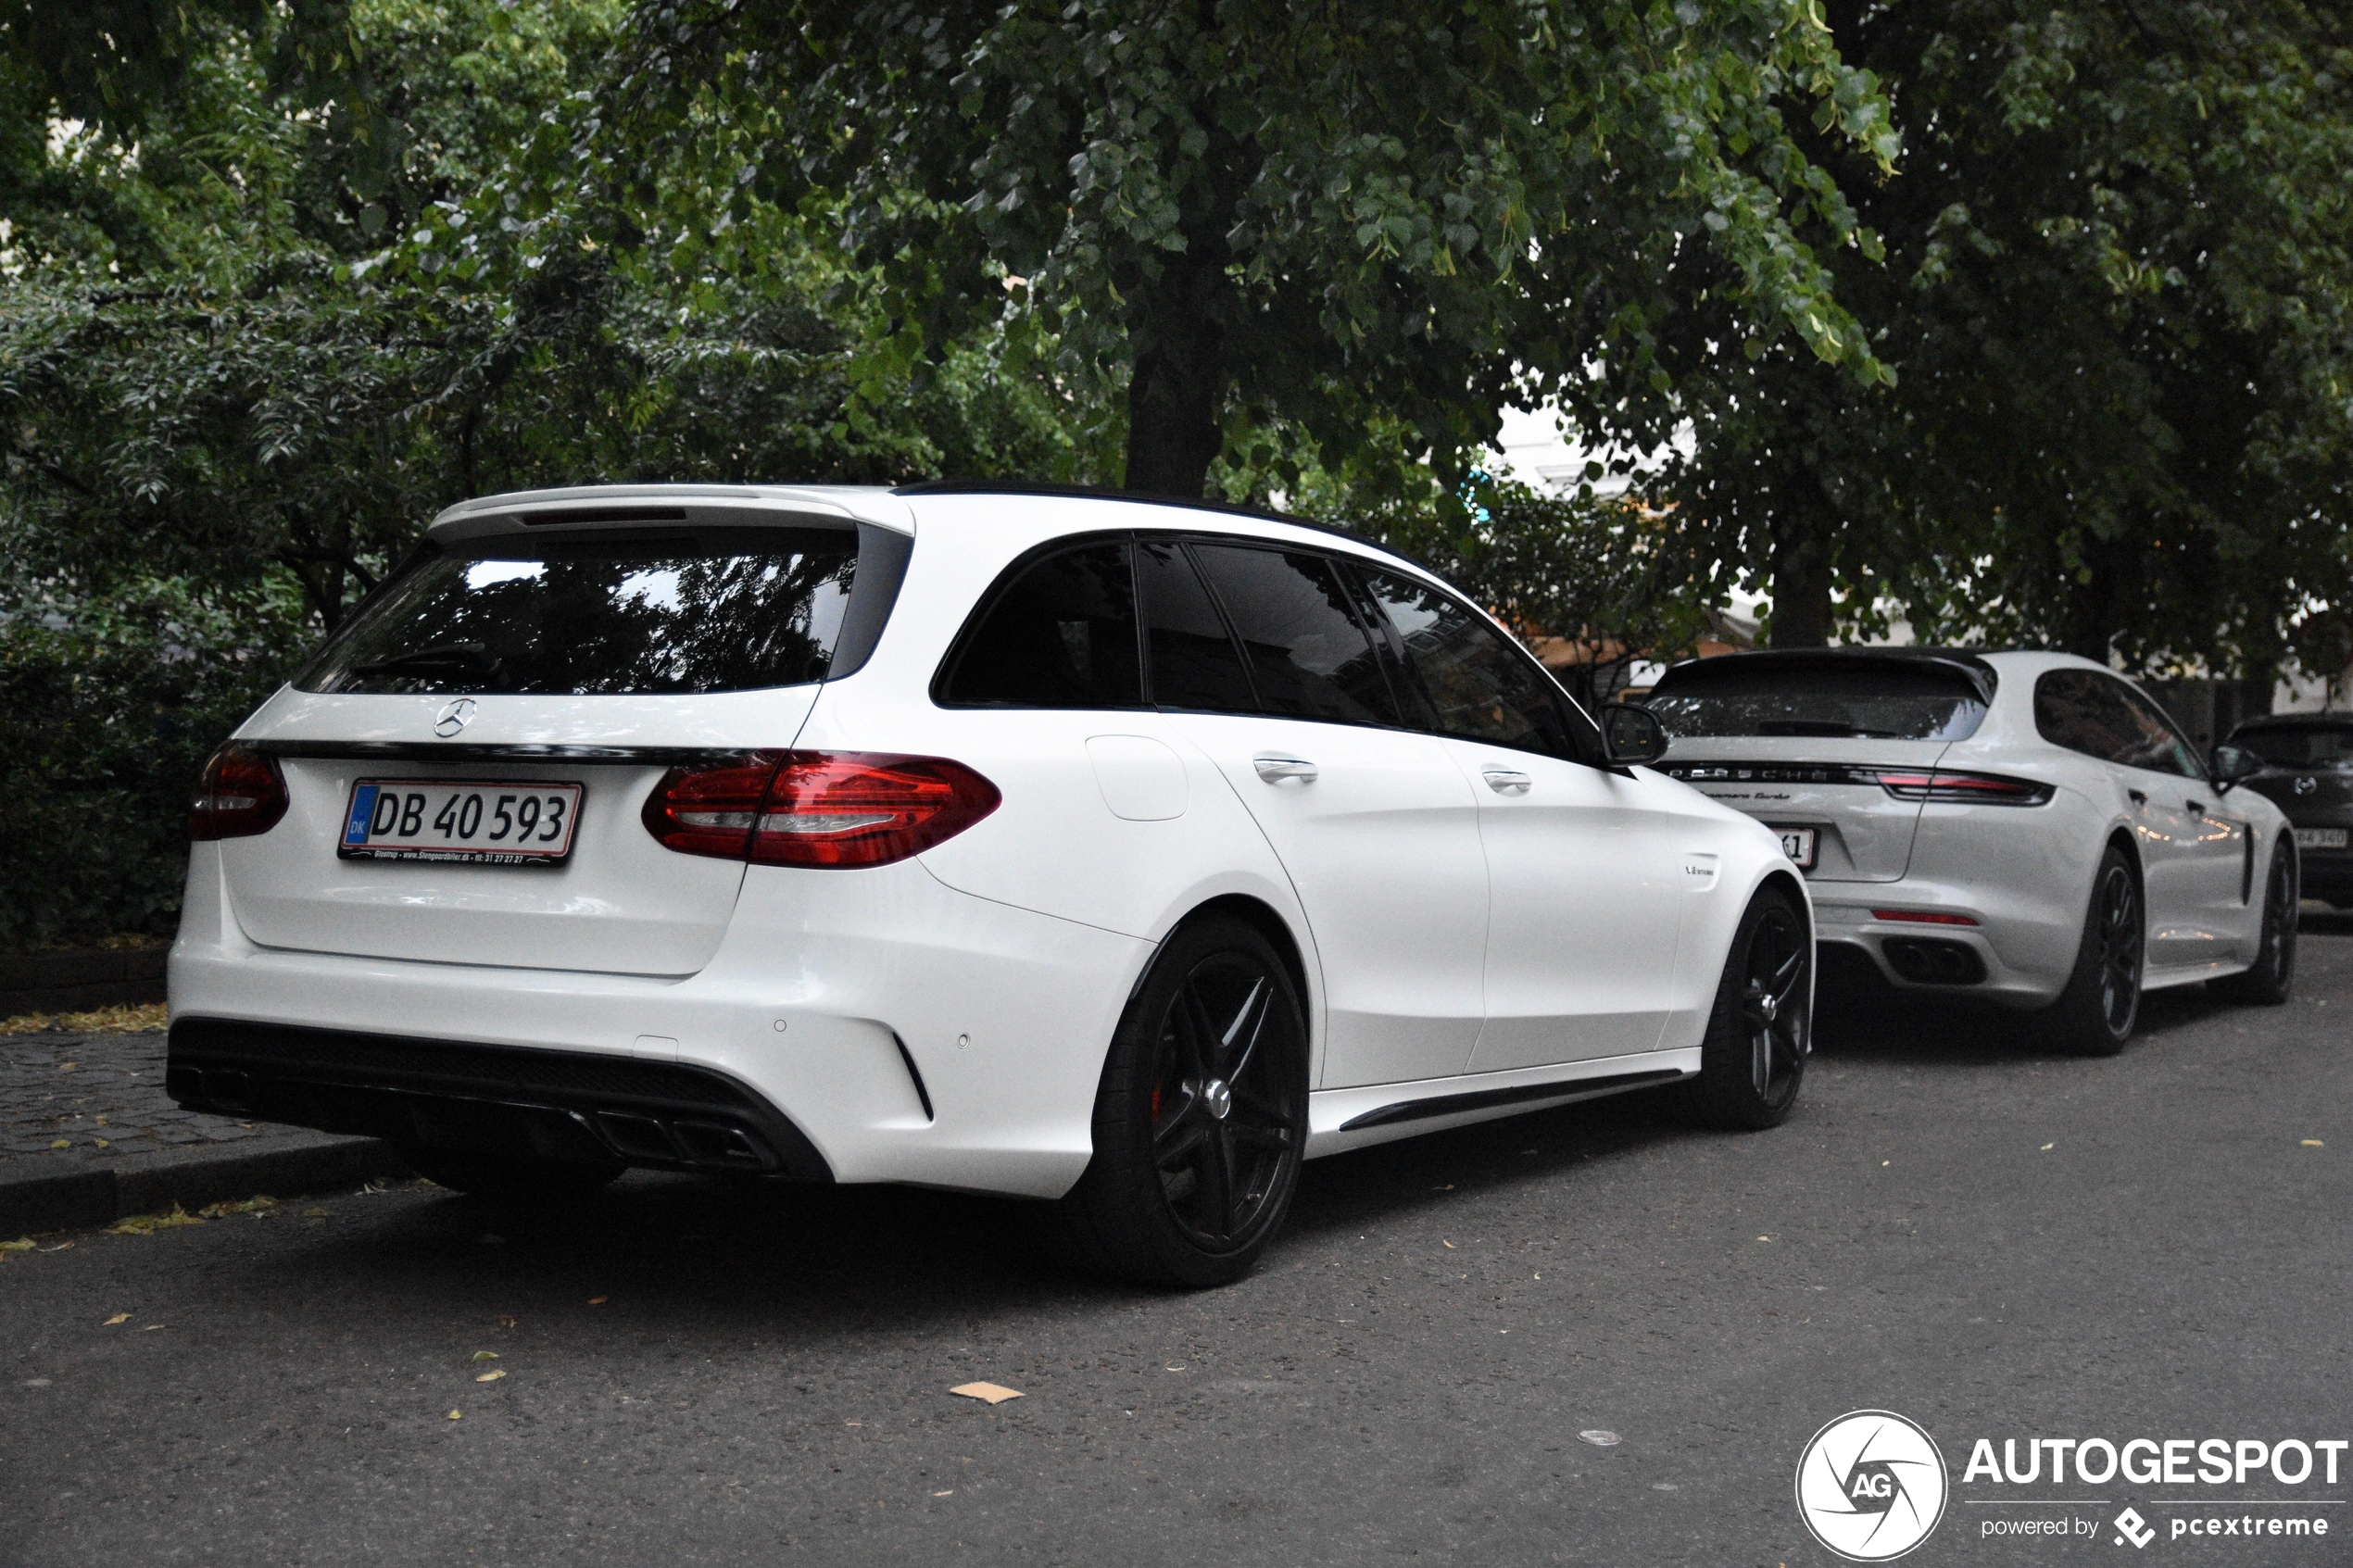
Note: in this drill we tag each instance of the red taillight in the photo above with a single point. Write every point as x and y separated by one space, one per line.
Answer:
817 808
243 793
1945 785
1922 917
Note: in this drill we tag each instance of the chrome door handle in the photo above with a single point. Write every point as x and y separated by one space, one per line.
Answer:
1281 769
1503 781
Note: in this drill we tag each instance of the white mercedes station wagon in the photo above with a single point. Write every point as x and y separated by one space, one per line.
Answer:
1080 849
2030 828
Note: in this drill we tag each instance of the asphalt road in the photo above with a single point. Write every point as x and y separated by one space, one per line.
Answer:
1989 1240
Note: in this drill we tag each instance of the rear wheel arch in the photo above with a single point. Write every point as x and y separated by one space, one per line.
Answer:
1269 923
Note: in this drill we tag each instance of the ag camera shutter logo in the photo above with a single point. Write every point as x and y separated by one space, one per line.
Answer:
1871 1485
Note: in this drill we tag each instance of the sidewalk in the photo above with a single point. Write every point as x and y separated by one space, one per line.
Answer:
87 1135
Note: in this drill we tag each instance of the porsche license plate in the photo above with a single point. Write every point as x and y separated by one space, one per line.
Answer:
1798 845
2320 838
461 821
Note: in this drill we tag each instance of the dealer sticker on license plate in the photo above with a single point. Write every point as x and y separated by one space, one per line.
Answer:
460 820
1798 845
2320 838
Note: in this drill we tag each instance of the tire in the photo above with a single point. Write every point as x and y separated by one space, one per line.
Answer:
489 1175
2271 977
1200 1119
1761 1029
2097 1011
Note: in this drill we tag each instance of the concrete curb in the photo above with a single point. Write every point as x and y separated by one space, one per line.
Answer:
147 1183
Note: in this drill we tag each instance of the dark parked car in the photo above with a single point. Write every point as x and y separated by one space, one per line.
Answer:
2308 771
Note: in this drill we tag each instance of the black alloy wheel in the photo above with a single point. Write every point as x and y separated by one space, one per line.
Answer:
1201 1118
1753 1059
1221 1131
2097 1013
2269 981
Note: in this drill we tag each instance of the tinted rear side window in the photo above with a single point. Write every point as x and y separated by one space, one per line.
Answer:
1470 682
2100 716
1194 662
1891 700
1061 635
1309 654
732 610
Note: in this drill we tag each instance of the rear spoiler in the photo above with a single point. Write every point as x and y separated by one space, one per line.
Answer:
1960 665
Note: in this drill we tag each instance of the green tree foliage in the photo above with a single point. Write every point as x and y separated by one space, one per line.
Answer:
2119 301
230 379
1237 214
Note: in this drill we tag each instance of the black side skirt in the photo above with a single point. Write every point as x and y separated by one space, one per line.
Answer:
1479 1099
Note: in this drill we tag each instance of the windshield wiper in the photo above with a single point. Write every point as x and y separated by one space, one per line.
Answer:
443 655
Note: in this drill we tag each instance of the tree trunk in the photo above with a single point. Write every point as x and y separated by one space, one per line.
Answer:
1801 584
1173 433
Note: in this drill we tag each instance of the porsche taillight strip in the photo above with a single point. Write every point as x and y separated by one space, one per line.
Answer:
1948 785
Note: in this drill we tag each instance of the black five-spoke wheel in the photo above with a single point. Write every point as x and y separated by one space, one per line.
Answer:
1201 1118
2120 944
1222 1126
1761 1031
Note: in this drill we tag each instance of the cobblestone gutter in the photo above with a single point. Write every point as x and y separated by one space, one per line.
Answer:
87 1135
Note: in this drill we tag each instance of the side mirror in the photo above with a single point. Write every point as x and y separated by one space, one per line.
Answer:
2231 764
1631 736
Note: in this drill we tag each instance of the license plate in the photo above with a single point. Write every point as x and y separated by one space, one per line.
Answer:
1798 845
2320 838
459 820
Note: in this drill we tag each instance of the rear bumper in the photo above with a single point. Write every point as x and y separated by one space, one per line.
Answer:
867 1026
571 1105
2018 952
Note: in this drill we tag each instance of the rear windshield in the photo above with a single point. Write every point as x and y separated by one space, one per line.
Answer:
2319 746
732 610
1733 696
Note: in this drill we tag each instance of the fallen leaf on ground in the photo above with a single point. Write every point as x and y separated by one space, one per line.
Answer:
453 1415
119 1317
59 1248
2314 1143
250 1206
486 1355
1448 1245
314 1213
988 1393
950 1493
153 1326
491 1376
1600 1439
101 1143
148 1224
2048 1146
598 1300
62 1143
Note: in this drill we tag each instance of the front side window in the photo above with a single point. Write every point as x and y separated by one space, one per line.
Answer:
725 610
1477 685
2100 716
2157 744
1062 633
1309 654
